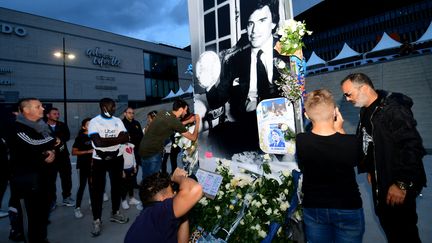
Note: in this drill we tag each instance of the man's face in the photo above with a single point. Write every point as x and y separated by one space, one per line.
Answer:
184 112
110 108
34 110
354 94
129 114
260 27
275 136
53 115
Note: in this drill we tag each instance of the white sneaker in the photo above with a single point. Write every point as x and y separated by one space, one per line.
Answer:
78 214
133 201
105 198
125 204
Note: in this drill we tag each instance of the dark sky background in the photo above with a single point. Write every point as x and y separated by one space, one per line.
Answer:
160 21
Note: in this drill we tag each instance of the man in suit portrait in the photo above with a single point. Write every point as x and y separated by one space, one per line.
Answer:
276 139
247 77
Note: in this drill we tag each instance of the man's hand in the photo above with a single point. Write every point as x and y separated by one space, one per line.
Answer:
395 195
50 156
338 122
178 175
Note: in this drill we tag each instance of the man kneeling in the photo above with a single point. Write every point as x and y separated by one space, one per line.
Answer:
162 219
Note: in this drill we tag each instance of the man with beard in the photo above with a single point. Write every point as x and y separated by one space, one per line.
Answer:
393 152
164 124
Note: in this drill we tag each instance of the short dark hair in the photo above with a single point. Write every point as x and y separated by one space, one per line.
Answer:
48 110
179 103
359 79
259 4
153 184
152 113
24 102
105 102
127 108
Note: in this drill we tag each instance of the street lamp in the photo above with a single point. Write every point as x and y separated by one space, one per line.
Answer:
63 54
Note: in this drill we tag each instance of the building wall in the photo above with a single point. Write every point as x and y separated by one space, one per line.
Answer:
411 75
28 67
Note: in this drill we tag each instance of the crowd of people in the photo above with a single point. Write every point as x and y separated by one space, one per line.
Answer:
34 150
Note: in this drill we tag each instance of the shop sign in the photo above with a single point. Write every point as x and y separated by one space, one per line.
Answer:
11 29
102 59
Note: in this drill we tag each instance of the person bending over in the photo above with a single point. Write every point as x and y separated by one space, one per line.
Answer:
163 217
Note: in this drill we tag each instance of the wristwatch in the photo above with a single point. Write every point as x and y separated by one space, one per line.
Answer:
403 186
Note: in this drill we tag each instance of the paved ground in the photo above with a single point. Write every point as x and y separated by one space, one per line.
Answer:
66 229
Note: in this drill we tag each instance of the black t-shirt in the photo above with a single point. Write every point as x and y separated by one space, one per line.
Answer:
327 163
83 143
366 133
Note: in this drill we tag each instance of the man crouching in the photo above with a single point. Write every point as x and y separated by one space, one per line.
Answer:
162 219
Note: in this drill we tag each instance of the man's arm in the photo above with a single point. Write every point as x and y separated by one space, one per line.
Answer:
193 136
183 232
189 194
98 141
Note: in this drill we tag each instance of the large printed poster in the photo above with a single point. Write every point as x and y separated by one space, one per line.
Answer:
233 56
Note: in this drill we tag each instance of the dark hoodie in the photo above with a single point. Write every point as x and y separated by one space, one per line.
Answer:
398 148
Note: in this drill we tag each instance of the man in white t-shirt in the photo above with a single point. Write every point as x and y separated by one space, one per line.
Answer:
106 132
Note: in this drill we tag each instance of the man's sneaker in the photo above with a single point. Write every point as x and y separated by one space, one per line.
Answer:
125 204
133 201
105 197
3 213
97 228
78 214
119 218
68 202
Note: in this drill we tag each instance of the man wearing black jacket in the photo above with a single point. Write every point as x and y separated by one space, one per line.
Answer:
32 149
135 132
393 153
62 163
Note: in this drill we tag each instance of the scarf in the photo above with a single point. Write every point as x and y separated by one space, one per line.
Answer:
39 126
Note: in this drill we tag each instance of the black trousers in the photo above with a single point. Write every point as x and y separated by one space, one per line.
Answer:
128 183
33 189
84 177
99 169
399 222
61 166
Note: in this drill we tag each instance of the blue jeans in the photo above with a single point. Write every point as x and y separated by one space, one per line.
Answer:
151 164
334 225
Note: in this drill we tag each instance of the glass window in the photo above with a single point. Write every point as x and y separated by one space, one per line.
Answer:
223 21
146 61
148 87
160 88
221 1
209 27
208 4
154 87
224 44
211 47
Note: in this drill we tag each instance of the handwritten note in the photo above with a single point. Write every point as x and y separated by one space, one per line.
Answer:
210 182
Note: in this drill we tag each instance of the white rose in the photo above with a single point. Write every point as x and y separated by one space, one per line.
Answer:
262 233
217 208
227 186
242 222
284 127
286 191
269 211
281 65
266 157
286 173
258 204
264 201
248 197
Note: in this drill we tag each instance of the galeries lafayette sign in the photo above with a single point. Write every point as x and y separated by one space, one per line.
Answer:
102 59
